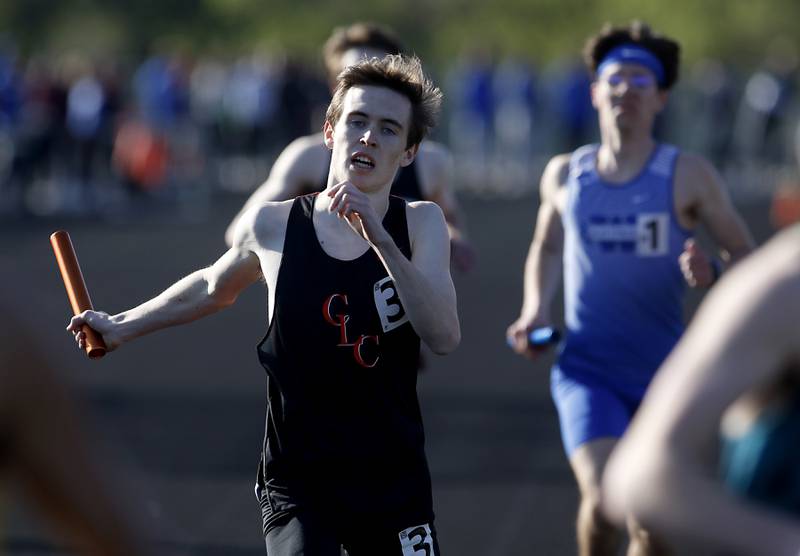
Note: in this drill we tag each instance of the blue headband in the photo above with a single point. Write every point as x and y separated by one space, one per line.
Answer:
633 54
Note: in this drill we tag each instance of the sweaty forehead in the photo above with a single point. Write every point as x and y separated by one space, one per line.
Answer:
378 102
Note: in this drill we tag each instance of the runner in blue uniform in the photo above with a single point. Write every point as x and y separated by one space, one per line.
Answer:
619 218
738 366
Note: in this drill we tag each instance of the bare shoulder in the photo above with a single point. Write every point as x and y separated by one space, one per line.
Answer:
262 225
554 176
693 171
306 155
434 161
427 232
434 165
425 215
307 146
557 169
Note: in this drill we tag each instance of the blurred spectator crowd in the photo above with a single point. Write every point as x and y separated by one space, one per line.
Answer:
508 118
87 138
94 138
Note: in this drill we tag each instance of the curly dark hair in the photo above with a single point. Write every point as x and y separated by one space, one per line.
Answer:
665 49
357 35
399 73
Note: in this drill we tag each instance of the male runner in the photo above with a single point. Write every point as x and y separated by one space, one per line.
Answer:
619 216
738 364
355 279
302 167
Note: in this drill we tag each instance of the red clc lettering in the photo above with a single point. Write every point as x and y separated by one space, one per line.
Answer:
340 320
360 356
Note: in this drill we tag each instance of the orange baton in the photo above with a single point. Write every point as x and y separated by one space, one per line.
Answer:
76 289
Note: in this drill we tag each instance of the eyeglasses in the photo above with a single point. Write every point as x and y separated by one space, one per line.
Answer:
639 81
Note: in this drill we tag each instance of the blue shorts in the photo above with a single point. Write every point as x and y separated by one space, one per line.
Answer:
590 408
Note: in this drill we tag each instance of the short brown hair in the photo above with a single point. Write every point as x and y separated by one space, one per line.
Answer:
357 35
665 49
402 74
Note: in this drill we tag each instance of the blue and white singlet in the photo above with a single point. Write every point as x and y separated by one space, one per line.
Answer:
623 287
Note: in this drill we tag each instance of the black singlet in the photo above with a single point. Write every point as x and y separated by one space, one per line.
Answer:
343 431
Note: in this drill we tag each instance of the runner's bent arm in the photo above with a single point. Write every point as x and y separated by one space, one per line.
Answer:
543 265
201 293
715 209
423 283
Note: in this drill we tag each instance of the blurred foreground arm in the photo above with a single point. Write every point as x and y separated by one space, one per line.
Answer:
743 339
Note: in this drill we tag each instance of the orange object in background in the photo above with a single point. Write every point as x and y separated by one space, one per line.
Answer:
141 155
785 209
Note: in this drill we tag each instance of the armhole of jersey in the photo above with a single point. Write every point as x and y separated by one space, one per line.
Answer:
671 181
401 223
272 296
576 167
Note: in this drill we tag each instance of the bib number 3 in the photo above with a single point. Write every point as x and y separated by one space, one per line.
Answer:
417 541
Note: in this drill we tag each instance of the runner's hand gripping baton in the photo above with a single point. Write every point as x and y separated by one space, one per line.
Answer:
543 337
540 338
76 289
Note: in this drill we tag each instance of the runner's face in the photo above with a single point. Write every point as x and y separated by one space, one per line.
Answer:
627 95
369 139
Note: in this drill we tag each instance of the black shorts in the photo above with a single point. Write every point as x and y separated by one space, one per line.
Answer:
292 530
297 533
